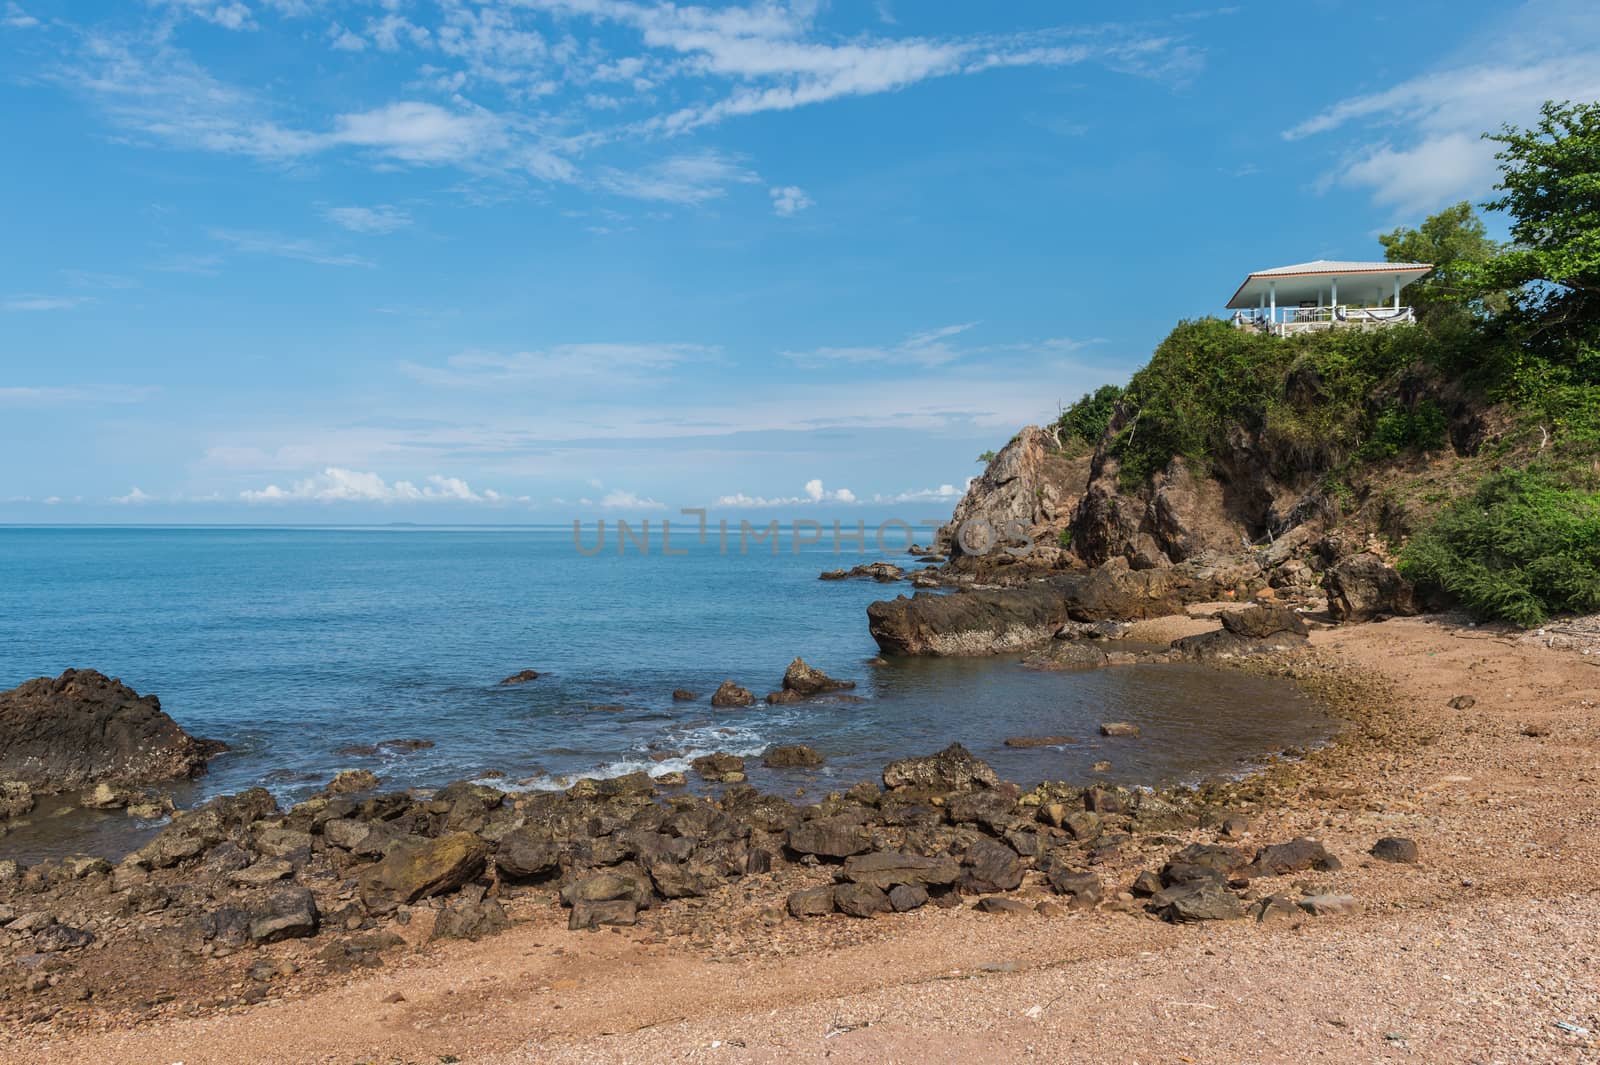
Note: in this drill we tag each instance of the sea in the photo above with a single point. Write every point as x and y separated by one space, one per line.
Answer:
303 648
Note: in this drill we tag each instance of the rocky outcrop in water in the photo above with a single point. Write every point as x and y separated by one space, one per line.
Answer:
806 681
81 728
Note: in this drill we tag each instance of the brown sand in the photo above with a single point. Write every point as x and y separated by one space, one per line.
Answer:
1472 955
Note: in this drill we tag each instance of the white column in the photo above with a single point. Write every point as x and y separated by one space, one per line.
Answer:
1335 299
1397 292
1272 293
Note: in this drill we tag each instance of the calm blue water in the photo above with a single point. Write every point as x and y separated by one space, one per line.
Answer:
292 643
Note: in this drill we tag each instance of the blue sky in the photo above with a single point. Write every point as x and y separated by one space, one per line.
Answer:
525 260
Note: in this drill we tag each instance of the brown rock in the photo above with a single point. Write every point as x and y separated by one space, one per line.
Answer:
1118 728
807 680
1039 741
791 756
522 677
860 900
415 870
952 769
729 694
812 902
1395 849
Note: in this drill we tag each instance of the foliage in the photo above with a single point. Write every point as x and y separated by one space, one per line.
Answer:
986 457
1524 545
1420 427
1066 539
1550 186
1088 418
1454 241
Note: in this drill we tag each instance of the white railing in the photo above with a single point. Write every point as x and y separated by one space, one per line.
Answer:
1292 320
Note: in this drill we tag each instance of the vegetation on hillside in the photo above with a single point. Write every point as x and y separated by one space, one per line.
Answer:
1513 330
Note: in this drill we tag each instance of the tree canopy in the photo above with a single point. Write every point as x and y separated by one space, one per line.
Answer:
1455 242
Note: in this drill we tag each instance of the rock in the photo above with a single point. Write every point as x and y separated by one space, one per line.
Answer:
683 695
81 728
1083 888
526 853
968 623
904 898
780 698
16 799
828 838
289 913
1395 849
266 871
1004 906
791 756
1040 741
990 866
1295 856
1119 728
952 769
887 869
587 915
522 677
1463 702
1021 491
1259 622
470 916
276 841
415 870
807 680
1200 900
105 796
730 694
672 779
812 902
1147 883
860 900
346 832
1202 861
194 831
1065 655
1275 909
1328 905
719 768
1363 587
54 938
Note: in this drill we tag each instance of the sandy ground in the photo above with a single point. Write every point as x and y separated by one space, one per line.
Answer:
1473 955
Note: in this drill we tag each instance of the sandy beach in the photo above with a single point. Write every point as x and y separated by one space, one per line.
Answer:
1473 954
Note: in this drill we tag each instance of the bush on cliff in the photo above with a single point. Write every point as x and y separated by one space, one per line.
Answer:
1524 545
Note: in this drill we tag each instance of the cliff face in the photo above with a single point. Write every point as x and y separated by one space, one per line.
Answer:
1032 488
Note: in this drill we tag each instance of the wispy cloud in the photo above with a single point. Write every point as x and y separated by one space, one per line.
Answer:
380 219
36 302
690 178
604 362
17 19
621 499
1418 144
59 395
815 492
134 497
929 348
260 243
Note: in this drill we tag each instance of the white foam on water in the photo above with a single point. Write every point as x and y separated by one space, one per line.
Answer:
691 743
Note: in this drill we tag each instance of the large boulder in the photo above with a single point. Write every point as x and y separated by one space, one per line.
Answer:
807 680
418 869
1363 587
81 728
1254 630
983 622
887 869
193 832
953 769
729 694
1021 501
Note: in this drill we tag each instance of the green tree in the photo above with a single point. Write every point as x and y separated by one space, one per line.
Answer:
1550 186
1087 419
1455 242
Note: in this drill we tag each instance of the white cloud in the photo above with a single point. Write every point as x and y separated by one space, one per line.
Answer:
789 200
229 14
259 243
930 348
618 499
1418 144
17 19
42 303
338 485
376 220
134 497
814 493
342 40
21 396
690 178
945 493
603 362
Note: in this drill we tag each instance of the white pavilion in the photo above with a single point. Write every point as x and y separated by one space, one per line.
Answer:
1324 295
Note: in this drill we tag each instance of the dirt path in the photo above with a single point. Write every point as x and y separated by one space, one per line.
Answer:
1472 955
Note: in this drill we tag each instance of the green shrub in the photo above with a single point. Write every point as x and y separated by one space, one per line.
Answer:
1088 418
1524 545
1422 427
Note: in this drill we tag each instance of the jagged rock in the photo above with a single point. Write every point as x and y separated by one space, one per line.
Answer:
627 883
351 781
522 677
887 869
16 799
470 916
193 831
828 838
1082 887
1363 587
1259 621
952 769
791 756
970 623
1274 909
719 768
989 866
807 680
1021 501
415 870
1295 856
1202 861
81 728
266 871
589 915
1198 900
683 695
1062 655
730 694
860 900
288 913
54 938
779 698
811 902
527 853
904 898
1395 849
